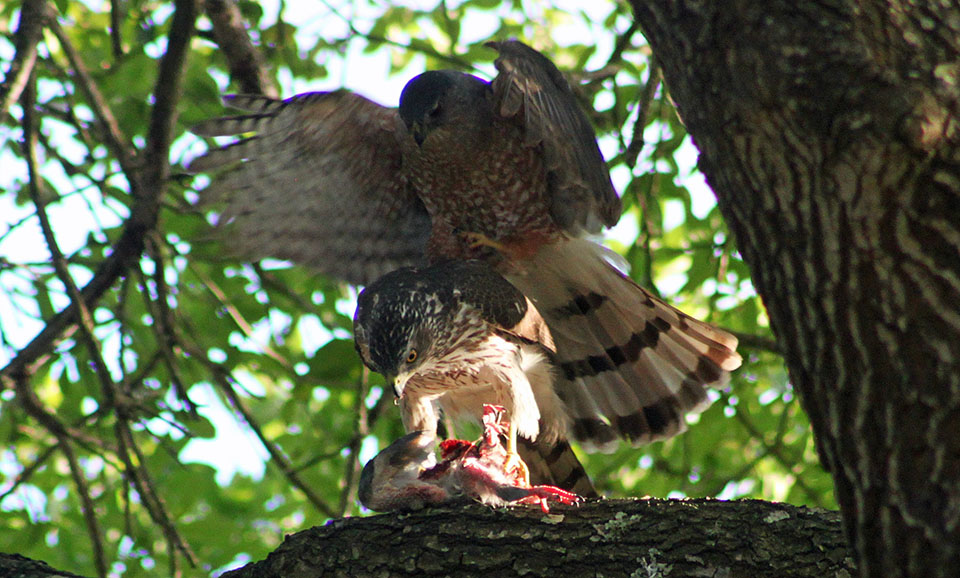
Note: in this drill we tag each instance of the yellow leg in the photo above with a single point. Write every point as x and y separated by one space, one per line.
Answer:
480 240
513 464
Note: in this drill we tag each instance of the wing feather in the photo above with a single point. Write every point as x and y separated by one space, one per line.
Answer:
317 180
530 88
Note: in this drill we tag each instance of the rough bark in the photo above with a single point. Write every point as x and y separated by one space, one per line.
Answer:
650 538
829 132
17 566
752 539
637 537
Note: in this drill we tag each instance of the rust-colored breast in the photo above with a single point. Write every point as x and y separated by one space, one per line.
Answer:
489 185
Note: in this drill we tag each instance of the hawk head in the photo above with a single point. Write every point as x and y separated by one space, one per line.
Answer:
442 97
398 323
421 320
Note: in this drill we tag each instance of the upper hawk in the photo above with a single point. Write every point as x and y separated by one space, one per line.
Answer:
508 172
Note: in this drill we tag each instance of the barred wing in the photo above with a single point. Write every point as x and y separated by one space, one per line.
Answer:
318 182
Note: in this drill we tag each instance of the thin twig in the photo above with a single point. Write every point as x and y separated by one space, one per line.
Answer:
118 145
643 112
223 379
361 429
224 300
624 41
116 42
246 64
425 48
89 513
164 323
143 482
270 282
34 408
67 111
28 471
645 235
33 13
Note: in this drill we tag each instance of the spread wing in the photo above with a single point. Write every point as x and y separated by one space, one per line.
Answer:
318 182
531 89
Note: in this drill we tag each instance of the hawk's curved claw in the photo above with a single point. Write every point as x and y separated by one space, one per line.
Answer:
493 424
517 470
478 240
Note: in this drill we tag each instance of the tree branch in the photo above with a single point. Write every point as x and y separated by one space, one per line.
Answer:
33 14
113 138
29 402
643 112
142 480
361 428
747 538
146 192
223 379
758 342
247 68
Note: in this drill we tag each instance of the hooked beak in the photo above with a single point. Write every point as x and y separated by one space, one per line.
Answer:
418 131
399 382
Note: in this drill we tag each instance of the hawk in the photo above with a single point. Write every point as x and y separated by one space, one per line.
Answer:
457 335
507 172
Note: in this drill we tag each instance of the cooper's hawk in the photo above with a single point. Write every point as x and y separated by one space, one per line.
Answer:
508 172
458 335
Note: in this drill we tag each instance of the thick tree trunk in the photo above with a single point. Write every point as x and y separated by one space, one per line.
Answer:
828 131
650 538
752 539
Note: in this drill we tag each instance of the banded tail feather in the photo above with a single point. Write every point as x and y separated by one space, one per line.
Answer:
631 366
555 464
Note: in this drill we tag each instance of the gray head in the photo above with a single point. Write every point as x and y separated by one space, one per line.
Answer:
438 97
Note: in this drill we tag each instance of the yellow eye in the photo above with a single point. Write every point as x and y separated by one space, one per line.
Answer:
412 356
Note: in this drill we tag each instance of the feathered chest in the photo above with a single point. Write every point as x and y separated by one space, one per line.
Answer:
490 184
479 359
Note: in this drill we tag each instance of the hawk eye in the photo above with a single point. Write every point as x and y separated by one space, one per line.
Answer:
435 111
412 356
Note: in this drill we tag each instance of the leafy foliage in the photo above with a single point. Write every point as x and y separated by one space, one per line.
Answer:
230 407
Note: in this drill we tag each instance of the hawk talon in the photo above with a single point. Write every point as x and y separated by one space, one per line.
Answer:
404 476
516 469
479 240
514 466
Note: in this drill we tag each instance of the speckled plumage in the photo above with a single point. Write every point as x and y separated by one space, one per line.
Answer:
477 340
500 184
470 333
355 189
